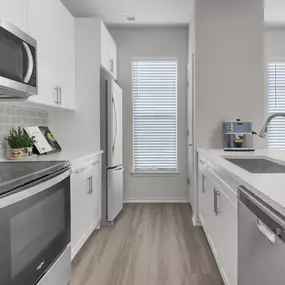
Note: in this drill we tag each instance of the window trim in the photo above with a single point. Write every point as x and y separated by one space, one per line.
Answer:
156 173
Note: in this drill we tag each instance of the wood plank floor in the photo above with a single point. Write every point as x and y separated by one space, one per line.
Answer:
150 244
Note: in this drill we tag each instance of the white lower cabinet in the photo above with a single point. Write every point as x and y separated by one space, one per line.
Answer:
95 171
218 216
85 202
79 211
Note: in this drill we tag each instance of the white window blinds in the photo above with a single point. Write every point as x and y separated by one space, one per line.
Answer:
276 103
155 115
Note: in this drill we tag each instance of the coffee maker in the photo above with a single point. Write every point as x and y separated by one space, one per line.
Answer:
238 136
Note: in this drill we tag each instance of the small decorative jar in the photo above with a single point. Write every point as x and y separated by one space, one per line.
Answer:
17 153
29 151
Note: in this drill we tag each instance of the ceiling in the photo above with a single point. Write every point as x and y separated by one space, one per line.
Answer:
155 12
147 12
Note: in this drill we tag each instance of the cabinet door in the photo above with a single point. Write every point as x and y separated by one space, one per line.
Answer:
211 221
113 57
41 26
228 214
96 195
79 212
14 11
202 191
108 51
105 61
65 56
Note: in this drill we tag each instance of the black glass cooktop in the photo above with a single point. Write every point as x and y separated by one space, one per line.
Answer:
14 174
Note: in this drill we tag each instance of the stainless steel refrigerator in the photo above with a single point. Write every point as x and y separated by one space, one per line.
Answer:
111 125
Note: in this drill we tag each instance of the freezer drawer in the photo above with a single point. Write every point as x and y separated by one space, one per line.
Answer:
115 192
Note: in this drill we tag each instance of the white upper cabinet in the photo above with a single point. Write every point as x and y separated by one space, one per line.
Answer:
51 24
41 27
109 53
14 11
64 57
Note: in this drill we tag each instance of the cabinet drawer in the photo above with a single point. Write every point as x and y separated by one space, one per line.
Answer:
228 191
79 171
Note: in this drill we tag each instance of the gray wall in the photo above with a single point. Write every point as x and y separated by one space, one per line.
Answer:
229 67
229 70
153 42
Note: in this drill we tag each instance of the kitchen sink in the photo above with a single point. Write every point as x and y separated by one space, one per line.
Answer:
258 165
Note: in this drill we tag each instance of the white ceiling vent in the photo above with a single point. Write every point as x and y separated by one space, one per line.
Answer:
131 19
128 18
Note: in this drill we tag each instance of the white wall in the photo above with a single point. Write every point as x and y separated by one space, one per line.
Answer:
80 130
275 44
191 104
153 42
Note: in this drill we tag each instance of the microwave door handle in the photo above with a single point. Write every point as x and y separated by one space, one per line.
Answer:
29 72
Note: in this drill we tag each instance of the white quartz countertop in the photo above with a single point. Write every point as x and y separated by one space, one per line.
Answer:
64 155
268 187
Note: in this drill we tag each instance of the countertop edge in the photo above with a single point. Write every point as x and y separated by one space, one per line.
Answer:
211 154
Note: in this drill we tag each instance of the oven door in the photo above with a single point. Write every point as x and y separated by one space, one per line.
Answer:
18 69
35 229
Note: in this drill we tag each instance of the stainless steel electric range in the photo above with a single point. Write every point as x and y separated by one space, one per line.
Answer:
35 223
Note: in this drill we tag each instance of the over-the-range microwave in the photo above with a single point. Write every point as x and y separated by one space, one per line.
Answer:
18 62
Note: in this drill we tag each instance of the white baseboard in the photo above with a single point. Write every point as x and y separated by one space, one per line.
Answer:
196 222
160 201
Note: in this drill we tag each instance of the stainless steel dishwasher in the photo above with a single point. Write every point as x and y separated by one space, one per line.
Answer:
261 247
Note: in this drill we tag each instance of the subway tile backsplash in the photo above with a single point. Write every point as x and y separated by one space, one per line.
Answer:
15 116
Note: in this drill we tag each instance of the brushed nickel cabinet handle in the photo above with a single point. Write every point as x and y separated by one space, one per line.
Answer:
89 185
203 184
60 98
216 208
56 101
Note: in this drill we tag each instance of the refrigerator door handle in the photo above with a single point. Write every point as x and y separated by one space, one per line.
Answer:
117 127
119 169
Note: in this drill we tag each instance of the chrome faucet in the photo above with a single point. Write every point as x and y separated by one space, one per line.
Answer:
264 130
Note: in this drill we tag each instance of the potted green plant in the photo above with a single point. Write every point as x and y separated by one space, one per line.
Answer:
20 143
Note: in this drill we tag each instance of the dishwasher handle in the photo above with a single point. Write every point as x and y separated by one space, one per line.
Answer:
270 223
265 231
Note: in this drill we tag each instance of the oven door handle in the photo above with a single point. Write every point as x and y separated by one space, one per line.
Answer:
33 190
29 72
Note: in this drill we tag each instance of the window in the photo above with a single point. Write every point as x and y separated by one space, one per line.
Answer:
276 103
155 115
